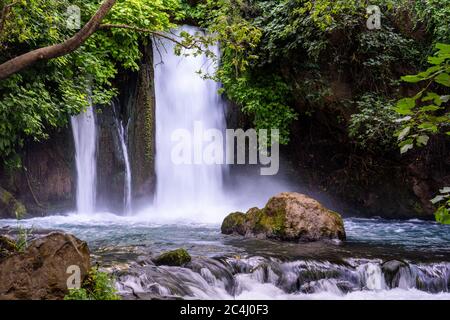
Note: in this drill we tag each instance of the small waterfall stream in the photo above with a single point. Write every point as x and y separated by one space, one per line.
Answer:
121 131
85 138
186 101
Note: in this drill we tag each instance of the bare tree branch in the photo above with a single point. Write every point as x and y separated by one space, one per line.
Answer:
23 61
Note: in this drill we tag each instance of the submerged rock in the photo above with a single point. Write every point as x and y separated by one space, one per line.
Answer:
287 216
40 272
393 271
176 257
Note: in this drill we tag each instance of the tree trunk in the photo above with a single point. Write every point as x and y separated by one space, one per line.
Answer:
23 61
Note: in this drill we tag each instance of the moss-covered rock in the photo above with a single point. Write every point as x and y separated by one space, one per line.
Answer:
9 206
7 247
176 257
233 223
290 217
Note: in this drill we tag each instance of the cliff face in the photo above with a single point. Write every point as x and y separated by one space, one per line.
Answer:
141 110
135 107
45 184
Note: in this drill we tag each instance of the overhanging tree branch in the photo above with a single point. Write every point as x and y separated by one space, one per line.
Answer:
194 44
23 61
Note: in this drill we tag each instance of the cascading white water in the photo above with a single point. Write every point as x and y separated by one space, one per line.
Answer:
84 134
184 99
127 187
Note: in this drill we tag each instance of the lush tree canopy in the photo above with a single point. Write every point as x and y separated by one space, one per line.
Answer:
42 97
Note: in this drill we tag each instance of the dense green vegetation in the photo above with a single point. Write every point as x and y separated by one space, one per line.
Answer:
41 98
277 52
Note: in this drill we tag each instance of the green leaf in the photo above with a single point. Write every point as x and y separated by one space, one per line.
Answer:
423 140
406 147
437 199
405 105
429 108
442 215
428 126
444 79
412 79
402 134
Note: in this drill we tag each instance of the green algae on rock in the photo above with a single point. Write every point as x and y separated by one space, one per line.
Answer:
176 257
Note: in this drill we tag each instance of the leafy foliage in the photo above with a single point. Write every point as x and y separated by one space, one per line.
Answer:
442 214
435 15
267 44
373 125
428 111
97 286
41 98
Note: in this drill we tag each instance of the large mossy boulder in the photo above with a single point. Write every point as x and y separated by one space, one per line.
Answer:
287 216
176 257
41 270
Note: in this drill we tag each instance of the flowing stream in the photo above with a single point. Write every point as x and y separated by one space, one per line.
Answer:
84 135
381 259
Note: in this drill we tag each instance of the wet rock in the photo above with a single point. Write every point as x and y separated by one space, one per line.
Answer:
9 206
40 272
287 216
393 270
176 257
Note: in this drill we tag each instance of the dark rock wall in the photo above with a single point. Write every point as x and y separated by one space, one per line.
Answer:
141 108
46 182
110 161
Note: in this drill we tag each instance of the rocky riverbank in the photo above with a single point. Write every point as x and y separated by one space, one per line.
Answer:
42 268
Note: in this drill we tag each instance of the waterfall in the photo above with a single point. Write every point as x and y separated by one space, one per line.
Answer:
127 184
184 100
84 135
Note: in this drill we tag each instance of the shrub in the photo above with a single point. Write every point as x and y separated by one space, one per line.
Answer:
97 286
